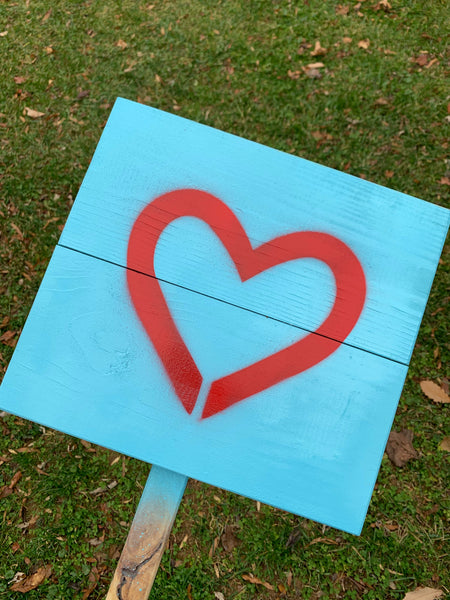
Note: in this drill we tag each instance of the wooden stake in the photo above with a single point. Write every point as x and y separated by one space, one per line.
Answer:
148 534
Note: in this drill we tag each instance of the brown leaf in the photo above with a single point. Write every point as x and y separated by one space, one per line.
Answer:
312 70
121 44
229 540
3 33
322 540
34 114
444 181
8 335
399 447
5 491
294 537
383 5
46 16
294 74
17 230
14 547
445 444
342 9
19 79
213 547
364 44
318 49
347 40
32 581
421 60
424 593
29 523
432 62
381 102
389 174
250 578
433 391
313 73
15 480
94 576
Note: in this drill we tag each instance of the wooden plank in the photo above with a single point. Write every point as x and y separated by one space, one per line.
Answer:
148 535
311 444
144 153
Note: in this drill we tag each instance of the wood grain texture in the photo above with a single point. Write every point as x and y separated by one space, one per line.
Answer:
149 532
311 444
144 153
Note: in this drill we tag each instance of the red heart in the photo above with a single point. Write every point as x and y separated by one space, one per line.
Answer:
154 313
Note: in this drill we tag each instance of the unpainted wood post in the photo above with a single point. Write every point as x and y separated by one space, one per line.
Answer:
148 534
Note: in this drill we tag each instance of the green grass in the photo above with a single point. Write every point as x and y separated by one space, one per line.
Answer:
375 112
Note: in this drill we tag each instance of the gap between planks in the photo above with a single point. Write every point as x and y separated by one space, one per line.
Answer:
110 262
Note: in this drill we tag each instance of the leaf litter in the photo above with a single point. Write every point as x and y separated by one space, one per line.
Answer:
433 391
399 447
31 582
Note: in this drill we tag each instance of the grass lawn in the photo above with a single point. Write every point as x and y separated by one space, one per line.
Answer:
377 106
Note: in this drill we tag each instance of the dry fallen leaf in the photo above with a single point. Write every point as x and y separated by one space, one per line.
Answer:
364 44
19 576
34 114
313 73
121 44
424 593
399 447
342 9
19 79
347 40
3 33
5 491
32 581
294 74
46 16
432 62
219 596
7 336
381 102
94 576
445 444
421 60
322 540
444 181
257 581
383 5
434 392
318 49
229 539
312 70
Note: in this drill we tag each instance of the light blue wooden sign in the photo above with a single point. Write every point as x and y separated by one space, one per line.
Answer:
231 313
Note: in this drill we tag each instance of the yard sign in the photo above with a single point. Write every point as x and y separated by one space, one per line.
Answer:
231 313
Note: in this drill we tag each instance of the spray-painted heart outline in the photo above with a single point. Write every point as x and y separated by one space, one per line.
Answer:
154 313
